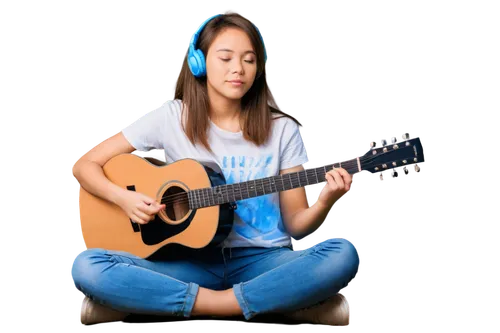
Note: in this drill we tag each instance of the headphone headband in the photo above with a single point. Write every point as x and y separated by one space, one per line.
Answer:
196 59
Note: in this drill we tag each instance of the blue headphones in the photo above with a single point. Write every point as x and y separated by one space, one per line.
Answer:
196 59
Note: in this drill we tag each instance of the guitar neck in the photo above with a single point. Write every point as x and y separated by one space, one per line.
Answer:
217 195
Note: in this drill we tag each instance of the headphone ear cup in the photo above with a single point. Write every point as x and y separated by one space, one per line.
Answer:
196 63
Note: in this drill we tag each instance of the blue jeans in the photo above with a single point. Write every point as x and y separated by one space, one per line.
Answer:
264 280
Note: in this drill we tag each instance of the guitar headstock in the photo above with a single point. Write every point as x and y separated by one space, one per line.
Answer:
393 155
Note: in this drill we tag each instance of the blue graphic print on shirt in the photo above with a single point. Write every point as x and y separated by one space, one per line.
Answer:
261 214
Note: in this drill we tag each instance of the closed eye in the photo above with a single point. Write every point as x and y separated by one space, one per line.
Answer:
248 61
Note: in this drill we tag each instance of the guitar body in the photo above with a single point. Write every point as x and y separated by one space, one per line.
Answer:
105 225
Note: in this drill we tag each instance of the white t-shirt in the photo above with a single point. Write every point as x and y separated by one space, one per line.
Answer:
257 220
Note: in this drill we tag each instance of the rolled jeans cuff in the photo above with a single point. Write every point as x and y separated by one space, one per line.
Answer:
189 300
238 292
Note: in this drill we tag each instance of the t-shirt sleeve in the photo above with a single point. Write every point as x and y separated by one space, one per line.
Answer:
148 132
292 149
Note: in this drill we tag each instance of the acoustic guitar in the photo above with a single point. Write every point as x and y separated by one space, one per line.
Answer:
200 205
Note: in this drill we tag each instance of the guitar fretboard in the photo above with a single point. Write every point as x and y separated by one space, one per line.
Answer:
217 195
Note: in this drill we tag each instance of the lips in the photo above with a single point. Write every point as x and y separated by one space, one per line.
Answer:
236 83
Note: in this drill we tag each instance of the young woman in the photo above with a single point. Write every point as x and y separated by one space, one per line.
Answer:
223 111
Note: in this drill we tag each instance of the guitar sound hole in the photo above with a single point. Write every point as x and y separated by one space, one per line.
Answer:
176 202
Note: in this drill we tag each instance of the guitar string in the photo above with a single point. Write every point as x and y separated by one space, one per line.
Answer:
264 183
349 161
181 197
211 200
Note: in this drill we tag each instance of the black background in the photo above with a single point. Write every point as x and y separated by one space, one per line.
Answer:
347 75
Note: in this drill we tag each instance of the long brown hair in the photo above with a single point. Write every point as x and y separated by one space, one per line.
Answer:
257 105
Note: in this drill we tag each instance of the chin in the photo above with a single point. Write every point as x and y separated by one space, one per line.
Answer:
234 95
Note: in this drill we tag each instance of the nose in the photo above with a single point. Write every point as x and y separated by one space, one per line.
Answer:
238 68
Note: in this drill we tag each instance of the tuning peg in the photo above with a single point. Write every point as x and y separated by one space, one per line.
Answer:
394 140
384 142
405 171
395 174
381 176
406 136
416 169
373 144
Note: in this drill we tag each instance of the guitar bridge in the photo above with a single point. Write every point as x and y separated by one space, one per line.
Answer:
135 226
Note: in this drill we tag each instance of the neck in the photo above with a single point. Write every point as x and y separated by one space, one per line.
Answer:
224 115
228 193
222 109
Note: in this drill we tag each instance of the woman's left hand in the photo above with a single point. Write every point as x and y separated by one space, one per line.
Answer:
338 183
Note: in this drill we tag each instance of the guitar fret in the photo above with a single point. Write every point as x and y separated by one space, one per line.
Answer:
213 193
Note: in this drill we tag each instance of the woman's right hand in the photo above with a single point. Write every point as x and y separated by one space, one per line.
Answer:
139 207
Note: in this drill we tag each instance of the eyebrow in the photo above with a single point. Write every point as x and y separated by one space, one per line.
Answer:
228 50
